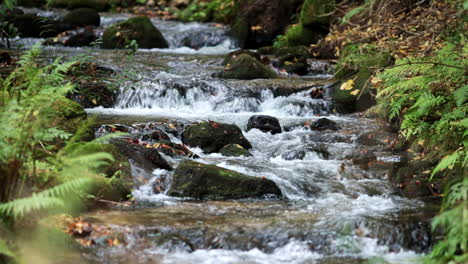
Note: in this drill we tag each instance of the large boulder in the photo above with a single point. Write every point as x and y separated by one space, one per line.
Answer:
212 136
264 123
82 17
258 22
246 67
140 29
201 181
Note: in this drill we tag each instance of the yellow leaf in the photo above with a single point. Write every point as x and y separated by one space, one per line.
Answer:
288 63
355 92
348 85
421 142
171 126
255 28
94 101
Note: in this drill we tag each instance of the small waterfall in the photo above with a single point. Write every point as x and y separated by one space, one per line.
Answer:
206 97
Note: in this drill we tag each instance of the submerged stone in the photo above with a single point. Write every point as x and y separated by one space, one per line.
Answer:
212 136
202 181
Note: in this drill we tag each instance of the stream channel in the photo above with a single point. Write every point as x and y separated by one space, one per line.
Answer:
334 209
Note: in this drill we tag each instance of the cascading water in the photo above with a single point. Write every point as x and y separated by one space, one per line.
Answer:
335 210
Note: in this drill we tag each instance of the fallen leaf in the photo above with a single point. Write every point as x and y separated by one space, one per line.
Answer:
355 92
348 85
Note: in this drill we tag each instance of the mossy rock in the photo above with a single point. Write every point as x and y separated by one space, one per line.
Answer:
111 189
299 51
267 50
234 150
82 17
140 29
298 35
202 181
67 114
212 136
358 63
246 67
233 55
316 12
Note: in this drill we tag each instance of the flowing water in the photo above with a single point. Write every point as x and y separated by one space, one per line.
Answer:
335 209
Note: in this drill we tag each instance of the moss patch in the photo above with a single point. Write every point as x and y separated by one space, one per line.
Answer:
234 150
140 29
316 11
245 67
202 181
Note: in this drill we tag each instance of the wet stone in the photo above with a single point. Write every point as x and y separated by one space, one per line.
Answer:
264 123
201 181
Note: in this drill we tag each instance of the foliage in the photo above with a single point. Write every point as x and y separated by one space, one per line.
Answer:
7 30
204 11
407 28
429 97
454 222
29 139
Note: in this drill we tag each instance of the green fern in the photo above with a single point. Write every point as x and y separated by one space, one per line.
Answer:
428 96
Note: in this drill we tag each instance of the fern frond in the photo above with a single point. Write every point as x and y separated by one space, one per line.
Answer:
448 162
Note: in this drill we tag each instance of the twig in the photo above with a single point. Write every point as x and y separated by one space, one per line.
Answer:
112 202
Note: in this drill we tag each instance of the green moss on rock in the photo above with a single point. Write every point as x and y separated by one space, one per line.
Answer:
234 150
246 67
297 35
68 115
358 63
140 28
202 181
316 12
